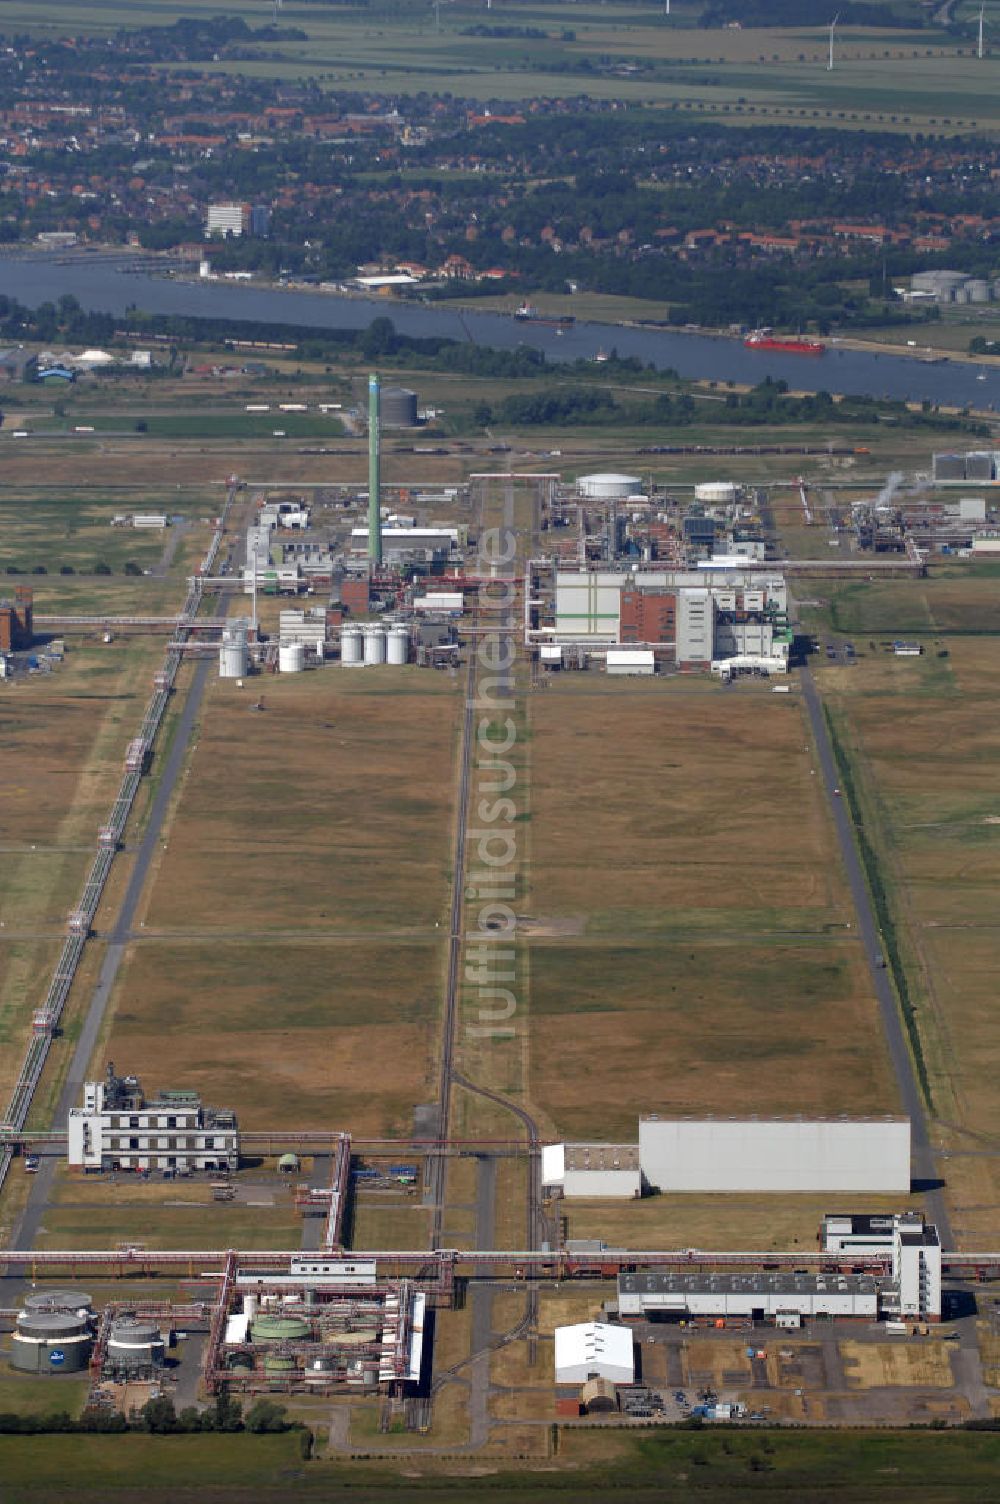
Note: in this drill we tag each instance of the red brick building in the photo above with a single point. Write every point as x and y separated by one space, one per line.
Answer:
649 616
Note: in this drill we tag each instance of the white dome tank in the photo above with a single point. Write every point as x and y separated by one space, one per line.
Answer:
609 486
398 645
291 658
374 646
351 646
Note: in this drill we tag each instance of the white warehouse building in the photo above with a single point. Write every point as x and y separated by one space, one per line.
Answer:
776 1154
783 1299
592 1169
594 1350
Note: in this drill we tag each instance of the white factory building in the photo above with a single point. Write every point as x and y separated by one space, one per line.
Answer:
719 611
594 1350
592 1170
117 1128
910 1291
776 1154
783 1299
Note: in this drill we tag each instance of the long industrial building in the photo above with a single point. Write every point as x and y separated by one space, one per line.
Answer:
776 1154
118 1128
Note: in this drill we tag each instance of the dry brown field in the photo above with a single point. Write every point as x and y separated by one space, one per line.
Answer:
713 968
875 1365
926 749
330 810
63 737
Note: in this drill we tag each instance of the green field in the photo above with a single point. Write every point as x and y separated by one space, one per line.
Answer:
894 79
663 1465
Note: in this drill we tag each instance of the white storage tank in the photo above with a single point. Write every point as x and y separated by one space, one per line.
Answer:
233 653
716 492
398 645
351 646
374 646
608 486
291 657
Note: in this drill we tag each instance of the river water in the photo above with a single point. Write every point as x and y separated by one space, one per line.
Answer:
101 282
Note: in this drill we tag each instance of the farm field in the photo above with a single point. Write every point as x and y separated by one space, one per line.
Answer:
924 758
890 78
711 963
74 531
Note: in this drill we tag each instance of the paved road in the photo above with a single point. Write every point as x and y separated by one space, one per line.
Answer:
41 1189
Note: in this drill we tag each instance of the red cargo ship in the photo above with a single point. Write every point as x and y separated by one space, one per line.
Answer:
763 339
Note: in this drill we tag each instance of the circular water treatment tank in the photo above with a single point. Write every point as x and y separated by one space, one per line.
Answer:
279 1329
398 407
291 657
715 491
50 1342
57 1300
138 1342
279 1363
608 486
351 645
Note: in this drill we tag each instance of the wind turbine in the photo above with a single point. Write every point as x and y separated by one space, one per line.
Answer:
274 13
979 49
833 23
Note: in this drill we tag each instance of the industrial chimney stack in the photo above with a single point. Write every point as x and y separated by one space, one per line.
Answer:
374 486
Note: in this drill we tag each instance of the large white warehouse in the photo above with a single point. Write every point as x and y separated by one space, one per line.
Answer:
594 1350
775 1154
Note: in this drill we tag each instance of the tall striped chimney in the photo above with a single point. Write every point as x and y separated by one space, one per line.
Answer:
374 486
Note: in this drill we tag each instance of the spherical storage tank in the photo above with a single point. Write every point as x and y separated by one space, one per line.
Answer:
351 646
291 657
374 646
398 644
397 407
716 491
51 1342
608 486
135 1344
233 654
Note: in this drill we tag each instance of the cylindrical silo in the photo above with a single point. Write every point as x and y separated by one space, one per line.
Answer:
291 657
351 646
233 653
398 407
398 645
374 646
50 1342
135 1344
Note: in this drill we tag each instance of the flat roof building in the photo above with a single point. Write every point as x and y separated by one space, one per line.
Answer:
118 1128
761 1297
776 1154
592 1169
